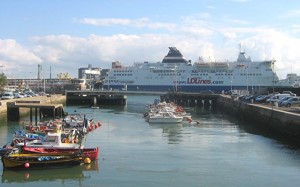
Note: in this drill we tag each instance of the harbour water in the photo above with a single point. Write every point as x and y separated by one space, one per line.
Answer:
220 151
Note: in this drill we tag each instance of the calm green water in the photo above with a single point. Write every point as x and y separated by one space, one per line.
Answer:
219 152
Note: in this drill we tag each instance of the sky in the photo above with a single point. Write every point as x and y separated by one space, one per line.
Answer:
65 35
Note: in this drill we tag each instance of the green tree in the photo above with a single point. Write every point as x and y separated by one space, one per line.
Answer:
3 81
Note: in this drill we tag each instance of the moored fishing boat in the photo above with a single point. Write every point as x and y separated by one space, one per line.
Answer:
73 140
50 160
91 153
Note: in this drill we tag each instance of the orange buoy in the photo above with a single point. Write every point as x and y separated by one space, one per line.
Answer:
87 160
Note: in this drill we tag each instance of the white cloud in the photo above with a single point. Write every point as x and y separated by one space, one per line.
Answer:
194 37
139 23
15 57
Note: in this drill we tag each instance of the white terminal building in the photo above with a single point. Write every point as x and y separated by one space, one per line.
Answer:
89 73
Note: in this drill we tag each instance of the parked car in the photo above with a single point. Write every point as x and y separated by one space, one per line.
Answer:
18 95
30 94
248 98
7 95
291 101
289 92
232 92
276 98
283 99
262 98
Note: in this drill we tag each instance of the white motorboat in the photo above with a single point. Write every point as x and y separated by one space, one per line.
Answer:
163 117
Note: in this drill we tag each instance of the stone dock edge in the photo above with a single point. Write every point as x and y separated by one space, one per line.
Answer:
277 122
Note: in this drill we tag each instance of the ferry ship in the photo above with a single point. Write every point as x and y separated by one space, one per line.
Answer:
176 74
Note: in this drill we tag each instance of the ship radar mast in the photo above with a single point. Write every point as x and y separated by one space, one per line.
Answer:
242 57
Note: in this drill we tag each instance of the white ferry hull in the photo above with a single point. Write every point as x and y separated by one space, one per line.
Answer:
175 74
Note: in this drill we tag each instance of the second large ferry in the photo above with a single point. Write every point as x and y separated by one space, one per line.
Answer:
176 74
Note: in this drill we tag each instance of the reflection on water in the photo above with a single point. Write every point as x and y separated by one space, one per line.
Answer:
76 173
171 131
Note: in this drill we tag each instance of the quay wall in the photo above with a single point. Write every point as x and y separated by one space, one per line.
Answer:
51 99
276 122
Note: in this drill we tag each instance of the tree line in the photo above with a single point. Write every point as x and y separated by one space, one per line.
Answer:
3 81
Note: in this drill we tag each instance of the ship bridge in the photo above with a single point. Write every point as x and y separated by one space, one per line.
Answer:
242 58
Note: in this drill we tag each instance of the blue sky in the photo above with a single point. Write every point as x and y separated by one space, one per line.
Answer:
69 34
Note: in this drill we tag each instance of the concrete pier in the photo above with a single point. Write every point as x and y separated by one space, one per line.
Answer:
278 122
95 98
18 112
192 99
40 109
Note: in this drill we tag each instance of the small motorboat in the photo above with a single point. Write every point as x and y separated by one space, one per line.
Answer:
164 117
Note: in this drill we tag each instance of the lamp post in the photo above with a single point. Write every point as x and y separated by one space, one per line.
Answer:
176 79
247 80
273 74
251 74
231 81
29 80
